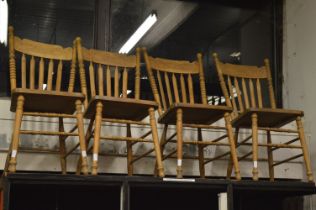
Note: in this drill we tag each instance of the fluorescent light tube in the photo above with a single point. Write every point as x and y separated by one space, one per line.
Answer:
3 21
139 33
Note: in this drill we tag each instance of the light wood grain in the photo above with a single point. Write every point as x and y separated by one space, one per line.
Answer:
50 75
108 81
23 71
42 50
108 58
173 66
59 75
191 90
183 89
32 73
258 117
119 106
100 80
92 80
184 111
125 81
116 82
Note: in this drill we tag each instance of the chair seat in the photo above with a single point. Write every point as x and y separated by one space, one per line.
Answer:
267 117
46 101
194 113
120 108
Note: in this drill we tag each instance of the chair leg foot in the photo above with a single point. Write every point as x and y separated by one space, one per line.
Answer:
255 174
179 172
12 165
84 166
94 168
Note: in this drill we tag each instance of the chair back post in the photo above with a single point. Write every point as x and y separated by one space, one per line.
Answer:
270 83
82 73
222 80
12 64
152 81
202 79
137 74
72 69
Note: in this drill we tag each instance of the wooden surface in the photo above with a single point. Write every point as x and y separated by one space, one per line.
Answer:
194 113
42 50
108 58
241 86
109 98
33 97
174 66
267 117
120 108
46 101
174 95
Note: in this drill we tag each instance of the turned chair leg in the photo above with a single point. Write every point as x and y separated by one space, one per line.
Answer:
254 120
230 161
154 133
87 141
231 140
301 134
162 147
201 154
179 143
62 147
16 134
97 133
129 148
82 142
270 157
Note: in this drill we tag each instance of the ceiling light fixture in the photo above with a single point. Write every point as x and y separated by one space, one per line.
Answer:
139 33
3 21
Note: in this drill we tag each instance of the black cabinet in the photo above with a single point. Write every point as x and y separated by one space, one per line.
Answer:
68 192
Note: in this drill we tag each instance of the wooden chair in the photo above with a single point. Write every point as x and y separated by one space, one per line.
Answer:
243 88
115 105
178 106
30 98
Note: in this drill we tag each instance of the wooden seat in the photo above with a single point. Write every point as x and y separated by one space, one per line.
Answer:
46 101
120 108
244 88
194 113
49 96
268 117
108 100
172 85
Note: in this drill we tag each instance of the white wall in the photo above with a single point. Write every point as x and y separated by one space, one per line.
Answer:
299 57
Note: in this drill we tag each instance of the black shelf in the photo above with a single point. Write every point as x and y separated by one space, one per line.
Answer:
64 192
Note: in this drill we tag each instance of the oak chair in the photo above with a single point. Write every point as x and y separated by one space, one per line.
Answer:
243 88
31 98
109 101
178 105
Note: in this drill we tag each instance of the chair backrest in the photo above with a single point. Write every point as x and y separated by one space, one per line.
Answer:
161 71
246 84
108 63
35 56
